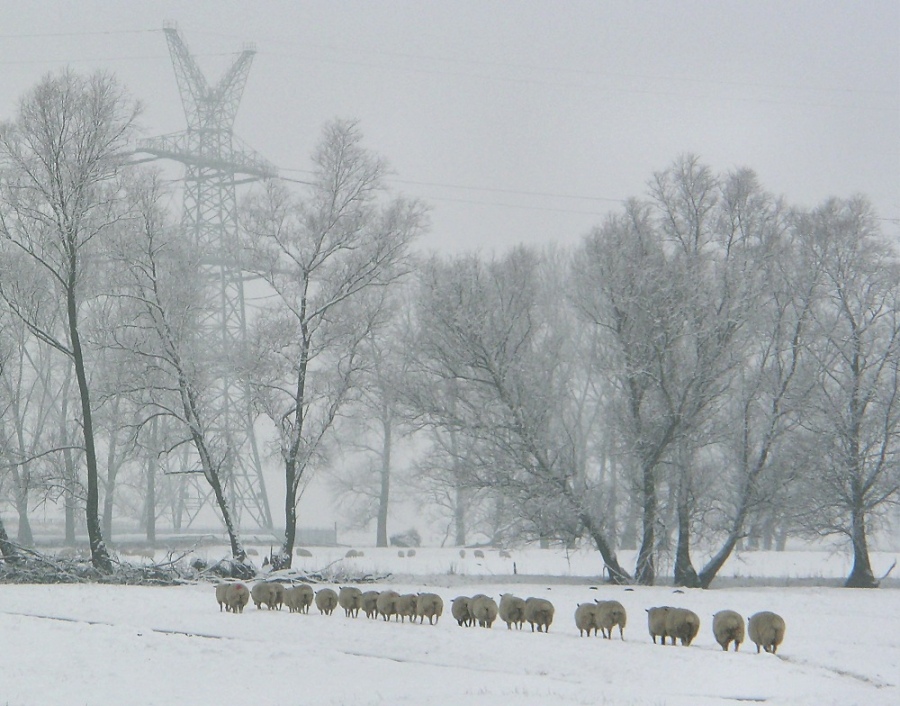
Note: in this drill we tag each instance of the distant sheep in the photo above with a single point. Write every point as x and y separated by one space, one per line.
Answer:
462 553
459 609
351 554
299 598
766 630
478 554
539 612
386 604
682 624
483 609
512 611
609 615
368 602
410 552
656 623
326 601
586 619
728 626
303 552
268 594
401 553
349 599
406 606
505 554
431 606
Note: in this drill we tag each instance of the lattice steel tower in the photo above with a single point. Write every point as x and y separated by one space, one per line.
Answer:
215 162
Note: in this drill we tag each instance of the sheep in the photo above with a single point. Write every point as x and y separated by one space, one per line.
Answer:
512 611
766 630
406 607
610 614
349 599
539 612
401 553
586 619
237 595
299 598
269 594
221 591
505 554
326 601
478 554
484 610
410 552
351 554
459 609
303 552
727 626
656 623
386 604
429 605
683 624
368 603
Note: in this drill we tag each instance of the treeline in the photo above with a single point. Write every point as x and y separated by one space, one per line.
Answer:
708 364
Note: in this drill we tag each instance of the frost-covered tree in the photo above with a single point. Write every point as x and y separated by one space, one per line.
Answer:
327 254
853 418
62 158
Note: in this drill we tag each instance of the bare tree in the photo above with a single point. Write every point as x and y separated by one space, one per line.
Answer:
854 417
158 283
488 330
63 157
328 256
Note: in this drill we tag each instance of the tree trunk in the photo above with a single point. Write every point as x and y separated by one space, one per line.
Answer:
284 558
150 494
99 554
24 535
645 572
69 493
861 576
685 574
616 574
112 470
237 549
8 550
381 534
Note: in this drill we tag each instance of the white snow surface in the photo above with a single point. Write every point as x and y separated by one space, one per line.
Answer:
102 645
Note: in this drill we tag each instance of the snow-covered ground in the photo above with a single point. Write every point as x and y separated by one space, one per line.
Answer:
116 646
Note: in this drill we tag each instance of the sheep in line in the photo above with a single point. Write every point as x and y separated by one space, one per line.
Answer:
483 609
682 624
386 604
299 598
586 619
326 601
269 594
610 614
766 630
368 601
512 611
405 607
728 626
431 606
656 623
539 612
232 597
349 599
459 609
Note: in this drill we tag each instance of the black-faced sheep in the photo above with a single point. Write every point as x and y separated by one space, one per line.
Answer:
682 624
326 601
483 609
431 606
728 626
512 611
766 630
349 599
459 609
610 614
386 604
539 612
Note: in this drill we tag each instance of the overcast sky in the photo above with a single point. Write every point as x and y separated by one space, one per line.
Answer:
519 121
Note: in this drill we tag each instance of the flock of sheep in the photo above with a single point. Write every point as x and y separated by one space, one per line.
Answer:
766 629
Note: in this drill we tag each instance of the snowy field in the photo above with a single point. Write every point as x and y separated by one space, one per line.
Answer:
117 646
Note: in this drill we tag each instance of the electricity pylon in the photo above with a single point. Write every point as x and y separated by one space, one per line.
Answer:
215 162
